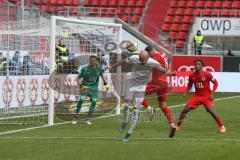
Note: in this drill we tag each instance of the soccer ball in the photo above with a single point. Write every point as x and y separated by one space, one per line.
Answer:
132 46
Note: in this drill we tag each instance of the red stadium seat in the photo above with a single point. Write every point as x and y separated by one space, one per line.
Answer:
166 27
169 19
88 2
207 13
218 5
184 27
200 4
141 3
236 5
178 19
132 3
172 36
129 10
123 3
180 11
135 19
60 2
114 3
67 2
227 5
225 13
59 8
198 12
175 27
174 4
209 4
189 12
187 19
191 4
112 11
43 8
121 11
182 36
96 2
138 11
180 44
216 13
94 10
75 3
182 4
125 19
38 2
171 11
105 3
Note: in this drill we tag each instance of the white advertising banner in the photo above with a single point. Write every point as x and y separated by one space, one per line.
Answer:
219 26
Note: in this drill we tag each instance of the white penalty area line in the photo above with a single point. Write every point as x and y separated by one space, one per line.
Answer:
45 126
118 138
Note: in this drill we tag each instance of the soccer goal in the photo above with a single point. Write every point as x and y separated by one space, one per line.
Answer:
39 85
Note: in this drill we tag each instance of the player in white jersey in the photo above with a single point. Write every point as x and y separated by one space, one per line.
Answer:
137 80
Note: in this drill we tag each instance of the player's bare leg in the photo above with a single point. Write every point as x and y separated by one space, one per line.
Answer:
168 114
149 109
217 119
181 117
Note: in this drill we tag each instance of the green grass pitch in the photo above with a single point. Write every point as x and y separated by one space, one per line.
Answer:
199 138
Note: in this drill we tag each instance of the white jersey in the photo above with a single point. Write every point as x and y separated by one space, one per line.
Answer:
141 73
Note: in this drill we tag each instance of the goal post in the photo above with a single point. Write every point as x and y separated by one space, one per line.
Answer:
83 27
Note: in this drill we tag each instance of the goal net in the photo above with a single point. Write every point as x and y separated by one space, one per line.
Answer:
39 84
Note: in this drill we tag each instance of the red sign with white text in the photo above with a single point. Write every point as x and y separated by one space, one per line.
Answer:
185 63
179 82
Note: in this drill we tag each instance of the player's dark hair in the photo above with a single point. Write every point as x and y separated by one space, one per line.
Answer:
149 49
92 56
199 60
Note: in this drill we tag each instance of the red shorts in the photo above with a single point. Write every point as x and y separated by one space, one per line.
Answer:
160 88
197 100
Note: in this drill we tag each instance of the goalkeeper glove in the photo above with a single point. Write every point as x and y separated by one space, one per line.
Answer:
84 89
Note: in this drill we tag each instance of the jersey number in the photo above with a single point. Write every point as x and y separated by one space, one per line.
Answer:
199 85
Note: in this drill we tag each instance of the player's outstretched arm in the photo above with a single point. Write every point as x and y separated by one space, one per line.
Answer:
118 63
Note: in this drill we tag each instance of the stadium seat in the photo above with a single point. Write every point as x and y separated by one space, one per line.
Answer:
178 19
169 19
96 2
180 11
174 4
66 2
132 3
215 13
182 36
125 19
172 36
175 27
191 4
135 19
189 12
59 8
209 4
198 12
75 2
38 2
187 19
138 11
111 11
166 27
114 3
171 11
207 13
218 5
200 4
88 3
236 5
141 3
123 3
60 2
120 11
225 13
104 11
180 44
182 4
129 10
105 3
184 27
43 8
94 10
227 5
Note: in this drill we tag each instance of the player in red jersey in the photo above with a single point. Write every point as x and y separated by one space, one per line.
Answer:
203 94
159 85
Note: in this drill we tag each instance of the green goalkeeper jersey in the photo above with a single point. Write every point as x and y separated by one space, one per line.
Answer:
90 76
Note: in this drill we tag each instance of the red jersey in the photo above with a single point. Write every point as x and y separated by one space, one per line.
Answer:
161 58
201 82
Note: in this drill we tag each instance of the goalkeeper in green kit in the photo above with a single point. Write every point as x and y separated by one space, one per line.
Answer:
89 76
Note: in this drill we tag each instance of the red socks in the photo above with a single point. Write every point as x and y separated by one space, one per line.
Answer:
168 114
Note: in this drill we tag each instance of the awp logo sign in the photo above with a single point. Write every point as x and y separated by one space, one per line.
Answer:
219 26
